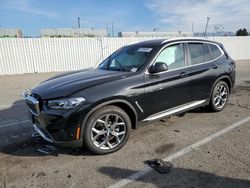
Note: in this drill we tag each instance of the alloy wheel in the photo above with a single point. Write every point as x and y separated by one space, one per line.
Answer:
108 131
221 96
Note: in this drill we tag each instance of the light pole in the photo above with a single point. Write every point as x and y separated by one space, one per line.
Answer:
112 29
205 33
79 24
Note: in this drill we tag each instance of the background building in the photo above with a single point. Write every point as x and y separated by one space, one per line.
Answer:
17 33
155 34
71 32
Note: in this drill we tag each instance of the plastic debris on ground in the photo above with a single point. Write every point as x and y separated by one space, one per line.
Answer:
159 165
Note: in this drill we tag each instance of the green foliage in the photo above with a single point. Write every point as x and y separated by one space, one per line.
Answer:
8 36
242 32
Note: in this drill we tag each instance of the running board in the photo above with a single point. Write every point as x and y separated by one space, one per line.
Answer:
174 110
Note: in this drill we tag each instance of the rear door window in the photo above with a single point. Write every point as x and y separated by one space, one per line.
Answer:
197 53
209 55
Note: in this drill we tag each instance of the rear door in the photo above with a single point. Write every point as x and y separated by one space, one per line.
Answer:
168 89
203 69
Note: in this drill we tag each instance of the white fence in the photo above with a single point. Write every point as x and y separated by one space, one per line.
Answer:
29 55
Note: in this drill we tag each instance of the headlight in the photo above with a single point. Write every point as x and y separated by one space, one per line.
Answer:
65 103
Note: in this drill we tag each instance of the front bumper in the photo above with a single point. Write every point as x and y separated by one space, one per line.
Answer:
43 134
48 138
56 126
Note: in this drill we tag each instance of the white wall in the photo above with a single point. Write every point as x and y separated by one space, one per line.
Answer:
237 47
29 55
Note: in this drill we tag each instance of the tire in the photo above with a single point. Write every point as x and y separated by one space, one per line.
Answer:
107 130
219 97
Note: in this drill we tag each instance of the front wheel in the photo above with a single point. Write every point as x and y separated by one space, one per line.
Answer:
107 130
219 96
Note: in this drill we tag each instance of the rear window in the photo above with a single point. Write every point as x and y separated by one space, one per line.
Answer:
197 53
215 50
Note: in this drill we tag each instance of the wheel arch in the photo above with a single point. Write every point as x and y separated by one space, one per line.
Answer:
121 103
224 78
228 81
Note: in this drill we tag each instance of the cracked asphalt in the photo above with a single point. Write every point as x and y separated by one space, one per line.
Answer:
222 162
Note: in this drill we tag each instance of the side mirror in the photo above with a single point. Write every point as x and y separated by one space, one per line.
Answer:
158 67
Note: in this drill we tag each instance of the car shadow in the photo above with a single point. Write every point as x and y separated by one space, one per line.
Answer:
14 124
200 110
178 177
39 147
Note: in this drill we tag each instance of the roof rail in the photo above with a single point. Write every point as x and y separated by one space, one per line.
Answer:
183 38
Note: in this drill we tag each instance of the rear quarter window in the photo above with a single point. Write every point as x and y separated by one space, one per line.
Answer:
216 52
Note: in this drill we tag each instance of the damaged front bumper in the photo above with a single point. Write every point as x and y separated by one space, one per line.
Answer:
43 134
56 127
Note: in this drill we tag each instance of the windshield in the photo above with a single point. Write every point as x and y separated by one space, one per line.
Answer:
127 59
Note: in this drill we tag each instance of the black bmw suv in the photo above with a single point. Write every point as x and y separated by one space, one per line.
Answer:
138 83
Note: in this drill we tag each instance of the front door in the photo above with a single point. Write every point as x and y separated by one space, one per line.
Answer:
168 89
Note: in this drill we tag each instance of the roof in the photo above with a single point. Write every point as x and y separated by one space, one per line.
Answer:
154 42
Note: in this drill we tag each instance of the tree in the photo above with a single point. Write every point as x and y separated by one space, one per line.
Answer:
242 32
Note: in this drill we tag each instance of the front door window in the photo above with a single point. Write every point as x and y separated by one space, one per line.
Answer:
173 56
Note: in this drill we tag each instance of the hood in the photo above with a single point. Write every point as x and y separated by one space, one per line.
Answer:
68 83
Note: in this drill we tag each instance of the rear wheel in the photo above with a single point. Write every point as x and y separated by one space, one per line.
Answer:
107 130
219 96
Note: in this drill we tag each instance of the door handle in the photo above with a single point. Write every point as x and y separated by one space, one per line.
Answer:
214 66
183 74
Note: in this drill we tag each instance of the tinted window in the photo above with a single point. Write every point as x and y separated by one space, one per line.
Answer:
215 50
209 55
197 53
173 56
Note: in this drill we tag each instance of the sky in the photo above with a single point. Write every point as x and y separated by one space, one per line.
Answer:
127 15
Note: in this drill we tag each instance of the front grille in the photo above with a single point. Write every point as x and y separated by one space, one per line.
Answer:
33 105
